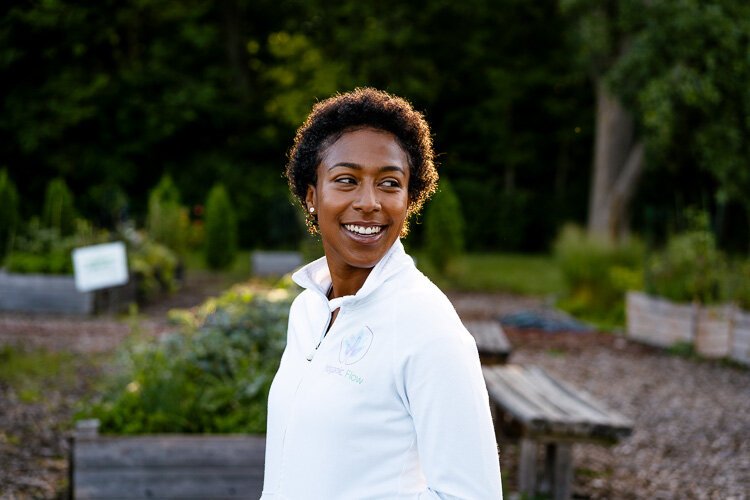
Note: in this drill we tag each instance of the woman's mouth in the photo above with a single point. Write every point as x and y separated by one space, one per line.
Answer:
363 230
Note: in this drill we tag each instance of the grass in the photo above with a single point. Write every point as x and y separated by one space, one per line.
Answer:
32 372
530 274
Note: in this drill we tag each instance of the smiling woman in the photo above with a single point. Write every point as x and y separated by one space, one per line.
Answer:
379 393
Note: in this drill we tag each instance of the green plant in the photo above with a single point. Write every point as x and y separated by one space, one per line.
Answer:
691 267
58 212
211 376
444 227
597 271
31 371
42 250
154 266
8 213
740 284
168 222
220 229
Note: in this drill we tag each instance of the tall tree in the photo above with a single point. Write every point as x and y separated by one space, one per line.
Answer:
668 75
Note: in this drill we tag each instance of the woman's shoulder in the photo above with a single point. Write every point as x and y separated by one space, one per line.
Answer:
424 310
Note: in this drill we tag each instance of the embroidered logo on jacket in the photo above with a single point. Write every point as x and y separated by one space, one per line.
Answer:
355 345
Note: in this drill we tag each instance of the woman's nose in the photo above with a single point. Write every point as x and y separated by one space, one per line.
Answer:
367 199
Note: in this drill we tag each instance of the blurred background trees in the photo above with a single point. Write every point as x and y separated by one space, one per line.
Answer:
526 100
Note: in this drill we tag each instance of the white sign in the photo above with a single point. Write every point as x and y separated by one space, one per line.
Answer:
100 266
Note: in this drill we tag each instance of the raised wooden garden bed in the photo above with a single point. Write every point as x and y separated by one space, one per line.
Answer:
41 293
713 331
164 466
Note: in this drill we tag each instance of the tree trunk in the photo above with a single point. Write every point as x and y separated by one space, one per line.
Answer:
232 17
617 166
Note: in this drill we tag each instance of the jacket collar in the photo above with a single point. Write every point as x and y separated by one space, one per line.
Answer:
316 276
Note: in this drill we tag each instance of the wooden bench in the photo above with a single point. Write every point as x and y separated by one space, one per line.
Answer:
494 347
165 466
543 411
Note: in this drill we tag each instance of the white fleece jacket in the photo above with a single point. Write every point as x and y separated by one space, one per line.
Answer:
390 405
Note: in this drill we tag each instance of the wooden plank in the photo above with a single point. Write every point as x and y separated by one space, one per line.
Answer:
492 343
740 350
167 466
505 395
657 321
166 482
43 293
547 407
714 331
173 451
562 472
527 467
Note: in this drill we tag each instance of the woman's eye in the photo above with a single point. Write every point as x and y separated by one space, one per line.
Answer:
391 183
345 180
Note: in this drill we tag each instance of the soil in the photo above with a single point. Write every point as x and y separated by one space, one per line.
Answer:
691 436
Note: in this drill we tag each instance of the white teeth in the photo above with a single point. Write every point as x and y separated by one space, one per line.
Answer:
362 229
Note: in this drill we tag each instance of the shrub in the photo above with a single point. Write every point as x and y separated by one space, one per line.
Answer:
42 250
444 227
167 221
691 267
58 212
597 272
739 285
8 213
211 376
220 229
153 265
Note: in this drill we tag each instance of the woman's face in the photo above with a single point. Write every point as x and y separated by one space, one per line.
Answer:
360 198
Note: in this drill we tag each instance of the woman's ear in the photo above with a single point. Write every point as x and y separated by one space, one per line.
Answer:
311 199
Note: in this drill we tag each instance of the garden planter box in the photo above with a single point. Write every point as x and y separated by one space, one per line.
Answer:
274 263
165 466
740 348
659 322
43 293
714 331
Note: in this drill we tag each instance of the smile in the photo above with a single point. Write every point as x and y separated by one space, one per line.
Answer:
365 230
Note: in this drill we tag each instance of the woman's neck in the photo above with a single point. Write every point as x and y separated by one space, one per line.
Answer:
347 282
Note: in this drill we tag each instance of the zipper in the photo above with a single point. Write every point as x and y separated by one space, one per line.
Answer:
320 341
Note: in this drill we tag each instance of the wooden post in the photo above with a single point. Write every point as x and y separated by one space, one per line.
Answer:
563 471
527 467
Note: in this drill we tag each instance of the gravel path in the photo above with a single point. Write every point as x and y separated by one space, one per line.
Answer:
692 417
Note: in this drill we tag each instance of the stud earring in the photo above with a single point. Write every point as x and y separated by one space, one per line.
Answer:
312 210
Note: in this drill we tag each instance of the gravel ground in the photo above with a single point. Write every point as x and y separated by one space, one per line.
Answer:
692 417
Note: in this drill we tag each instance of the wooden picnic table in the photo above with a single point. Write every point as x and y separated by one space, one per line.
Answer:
492 344
547 411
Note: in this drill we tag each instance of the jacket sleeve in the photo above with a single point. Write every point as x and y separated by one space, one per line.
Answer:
445 394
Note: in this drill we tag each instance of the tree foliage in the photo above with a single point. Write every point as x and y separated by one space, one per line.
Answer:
167 221
112 96
59 212
8 213
444 227
681 68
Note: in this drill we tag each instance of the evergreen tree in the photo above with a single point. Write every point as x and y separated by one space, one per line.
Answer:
58 212
221 229
444 227
167 221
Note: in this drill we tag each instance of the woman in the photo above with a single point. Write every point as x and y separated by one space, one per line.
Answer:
379 394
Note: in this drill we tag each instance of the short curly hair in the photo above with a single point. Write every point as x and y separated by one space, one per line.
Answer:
363 108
